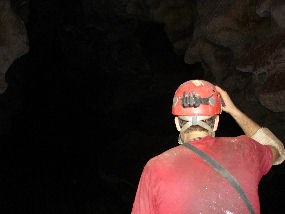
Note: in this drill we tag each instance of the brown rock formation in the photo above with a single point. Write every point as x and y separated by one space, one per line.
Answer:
266 61
241 43
274 9
272 95
13 40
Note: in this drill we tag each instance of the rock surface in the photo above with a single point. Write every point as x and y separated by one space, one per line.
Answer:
13 40
90 102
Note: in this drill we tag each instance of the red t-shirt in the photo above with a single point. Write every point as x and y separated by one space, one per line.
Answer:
180 182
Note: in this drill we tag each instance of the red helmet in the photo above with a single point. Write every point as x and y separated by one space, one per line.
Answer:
196 98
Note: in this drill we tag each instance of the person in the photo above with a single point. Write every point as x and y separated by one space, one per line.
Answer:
178 181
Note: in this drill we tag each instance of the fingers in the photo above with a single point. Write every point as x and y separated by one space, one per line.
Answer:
223 93
225 100
220 90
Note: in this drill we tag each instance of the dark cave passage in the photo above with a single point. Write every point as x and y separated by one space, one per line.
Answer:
87 107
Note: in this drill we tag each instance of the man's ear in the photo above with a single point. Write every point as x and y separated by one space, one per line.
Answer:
217 119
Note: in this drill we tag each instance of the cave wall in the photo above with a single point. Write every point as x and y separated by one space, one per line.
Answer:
239 44
108 69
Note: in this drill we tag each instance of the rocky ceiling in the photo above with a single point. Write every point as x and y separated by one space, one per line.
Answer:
109 60
239 44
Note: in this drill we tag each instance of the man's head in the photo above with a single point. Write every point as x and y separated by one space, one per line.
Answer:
196 105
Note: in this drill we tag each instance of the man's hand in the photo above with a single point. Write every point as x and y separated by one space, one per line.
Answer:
247 125
228 106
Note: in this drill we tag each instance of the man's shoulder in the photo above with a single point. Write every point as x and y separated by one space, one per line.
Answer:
165 157
240 138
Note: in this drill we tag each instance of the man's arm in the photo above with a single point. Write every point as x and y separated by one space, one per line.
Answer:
252 129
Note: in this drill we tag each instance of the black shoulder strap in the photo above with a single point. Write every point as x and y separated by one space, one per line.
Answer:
225 173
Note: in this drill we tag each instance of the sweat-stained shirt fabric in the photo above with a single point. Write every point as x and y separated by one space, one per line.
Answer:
180 182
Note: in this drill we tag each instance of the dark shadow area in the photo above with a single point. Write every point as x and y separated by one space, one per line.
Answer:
86 108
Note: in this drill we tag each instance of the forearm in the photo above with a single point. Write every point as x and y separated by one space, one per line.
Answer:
262 135
248 126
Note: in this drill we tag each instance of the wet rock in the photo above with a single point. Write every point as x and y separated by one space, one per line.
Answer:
274 9
272 95
13 40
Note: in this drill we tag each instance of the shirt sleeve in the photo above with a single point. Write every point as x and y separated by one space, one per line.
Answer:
265 137
264 157
144 200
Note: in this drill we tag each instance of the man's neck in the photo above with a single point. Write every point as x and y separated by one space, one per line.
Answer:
195 135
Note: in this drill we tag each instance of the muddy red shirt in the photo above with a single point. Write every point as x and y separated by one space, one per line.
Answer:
180 182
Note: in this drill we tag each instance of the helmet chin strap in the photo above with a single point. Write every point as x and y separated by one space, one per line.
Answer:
192 121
